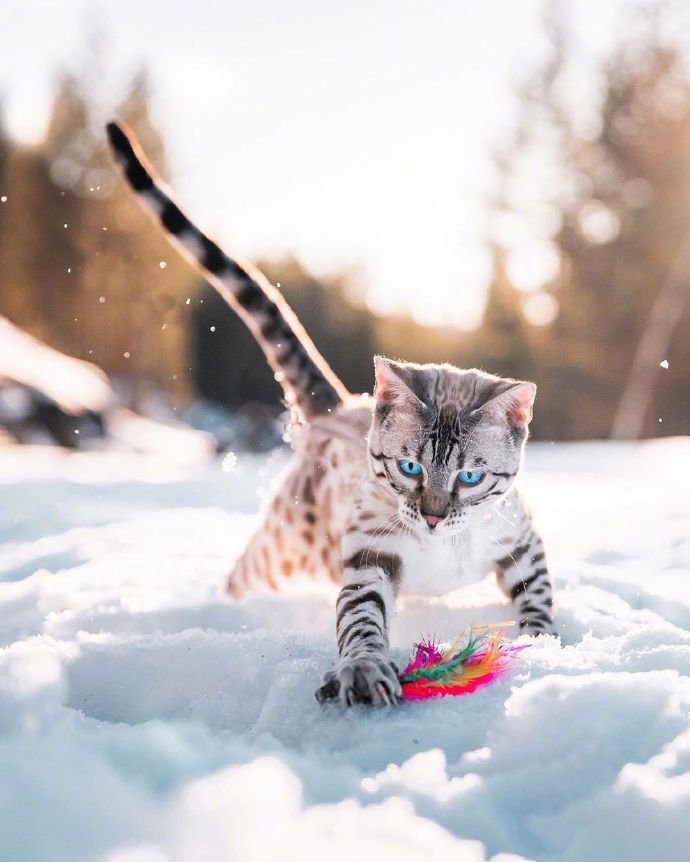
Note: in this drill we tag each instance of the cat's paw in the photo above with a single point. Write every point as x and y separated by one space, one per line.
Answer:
370 679
537 627
329 688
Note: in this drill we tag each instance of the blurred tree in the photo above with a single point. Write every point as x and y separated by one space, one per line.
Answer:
80 265
228 365
133 286
605 186
621 190
620 238
6 148
503 341
229 368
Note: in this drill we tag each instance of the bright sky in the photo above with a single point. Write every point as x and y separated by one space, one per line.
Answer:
356 135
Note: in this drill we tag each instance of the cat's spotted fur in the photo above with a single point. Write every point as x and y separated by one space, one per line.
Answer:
345 510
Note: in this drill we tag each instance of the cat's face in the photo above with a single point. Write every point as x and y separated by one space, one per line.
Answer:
447 442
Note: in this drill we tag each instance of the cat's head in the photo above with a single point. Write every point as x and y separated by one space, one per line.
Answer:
447 441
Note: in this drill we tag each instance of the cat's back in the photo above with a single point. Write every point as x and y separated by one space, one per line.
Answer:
340 436
331 453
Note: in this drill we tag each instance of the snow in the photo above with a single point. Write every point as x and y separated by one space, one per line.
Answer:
229 462
71 383
176 442
144 717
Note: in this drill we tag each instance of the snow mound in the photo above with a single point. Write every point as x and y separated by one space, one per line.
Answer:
74 385
144 717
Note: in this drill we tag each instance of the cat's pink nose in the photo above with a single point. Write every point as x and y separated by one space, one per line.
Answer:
431 520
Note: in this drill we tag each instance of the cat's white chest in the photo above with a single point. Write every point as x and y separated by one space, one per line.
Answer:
434 566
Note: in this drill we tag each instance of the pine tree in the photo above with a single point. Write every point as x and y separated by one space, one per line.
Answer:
504 342
621 194
83 267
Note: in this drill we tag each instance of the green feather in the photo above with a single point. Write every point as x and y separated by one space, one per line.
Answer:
441 672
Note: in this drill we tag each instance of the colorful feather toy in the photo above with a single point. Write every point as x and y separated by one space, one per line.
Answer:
434 671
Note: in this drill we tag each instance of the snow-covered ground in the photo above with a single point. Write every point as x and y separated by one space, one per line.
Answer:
144 717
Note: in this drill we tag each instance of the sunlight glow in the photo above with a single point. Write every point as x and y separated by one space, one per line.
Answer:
540 309
533 266
358 137
598 223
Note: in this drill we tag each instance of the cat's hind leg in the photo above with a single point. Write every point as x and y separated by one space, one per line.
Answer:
291 541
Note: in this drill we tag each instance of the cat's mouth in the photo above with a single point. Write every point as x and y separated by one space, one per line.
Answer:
439 523
432 520
426 525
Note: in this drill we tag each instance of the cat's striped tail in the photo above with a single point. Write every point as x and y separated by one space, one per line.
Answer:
307 380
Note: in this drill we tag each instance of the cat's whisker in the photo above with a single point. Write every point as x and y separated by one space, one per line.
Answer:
390 530
378 536
507 520
400 523
507 552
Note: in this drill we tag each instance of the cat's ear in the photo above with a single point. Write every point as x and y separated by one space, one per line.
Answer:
512 403
391 388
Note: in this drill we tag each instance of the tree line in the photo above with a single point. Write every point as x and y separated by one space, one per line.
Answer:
82 268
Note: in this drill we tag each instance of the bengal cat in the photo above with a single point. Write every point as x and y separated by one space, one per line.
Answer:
411 489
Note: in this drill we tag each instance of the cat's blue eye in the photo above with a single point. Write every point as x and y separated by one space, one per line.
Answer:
410 468
470 477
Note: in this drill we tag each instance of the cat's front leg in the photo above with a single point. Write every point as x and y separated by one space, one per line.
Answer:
365 672
524 577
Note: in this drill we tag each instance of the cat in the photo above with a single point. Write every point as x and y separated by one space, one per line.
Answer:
411 488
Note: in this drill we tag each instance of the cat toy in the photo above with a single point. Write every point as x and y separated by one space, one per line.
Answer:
436 671
477 657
